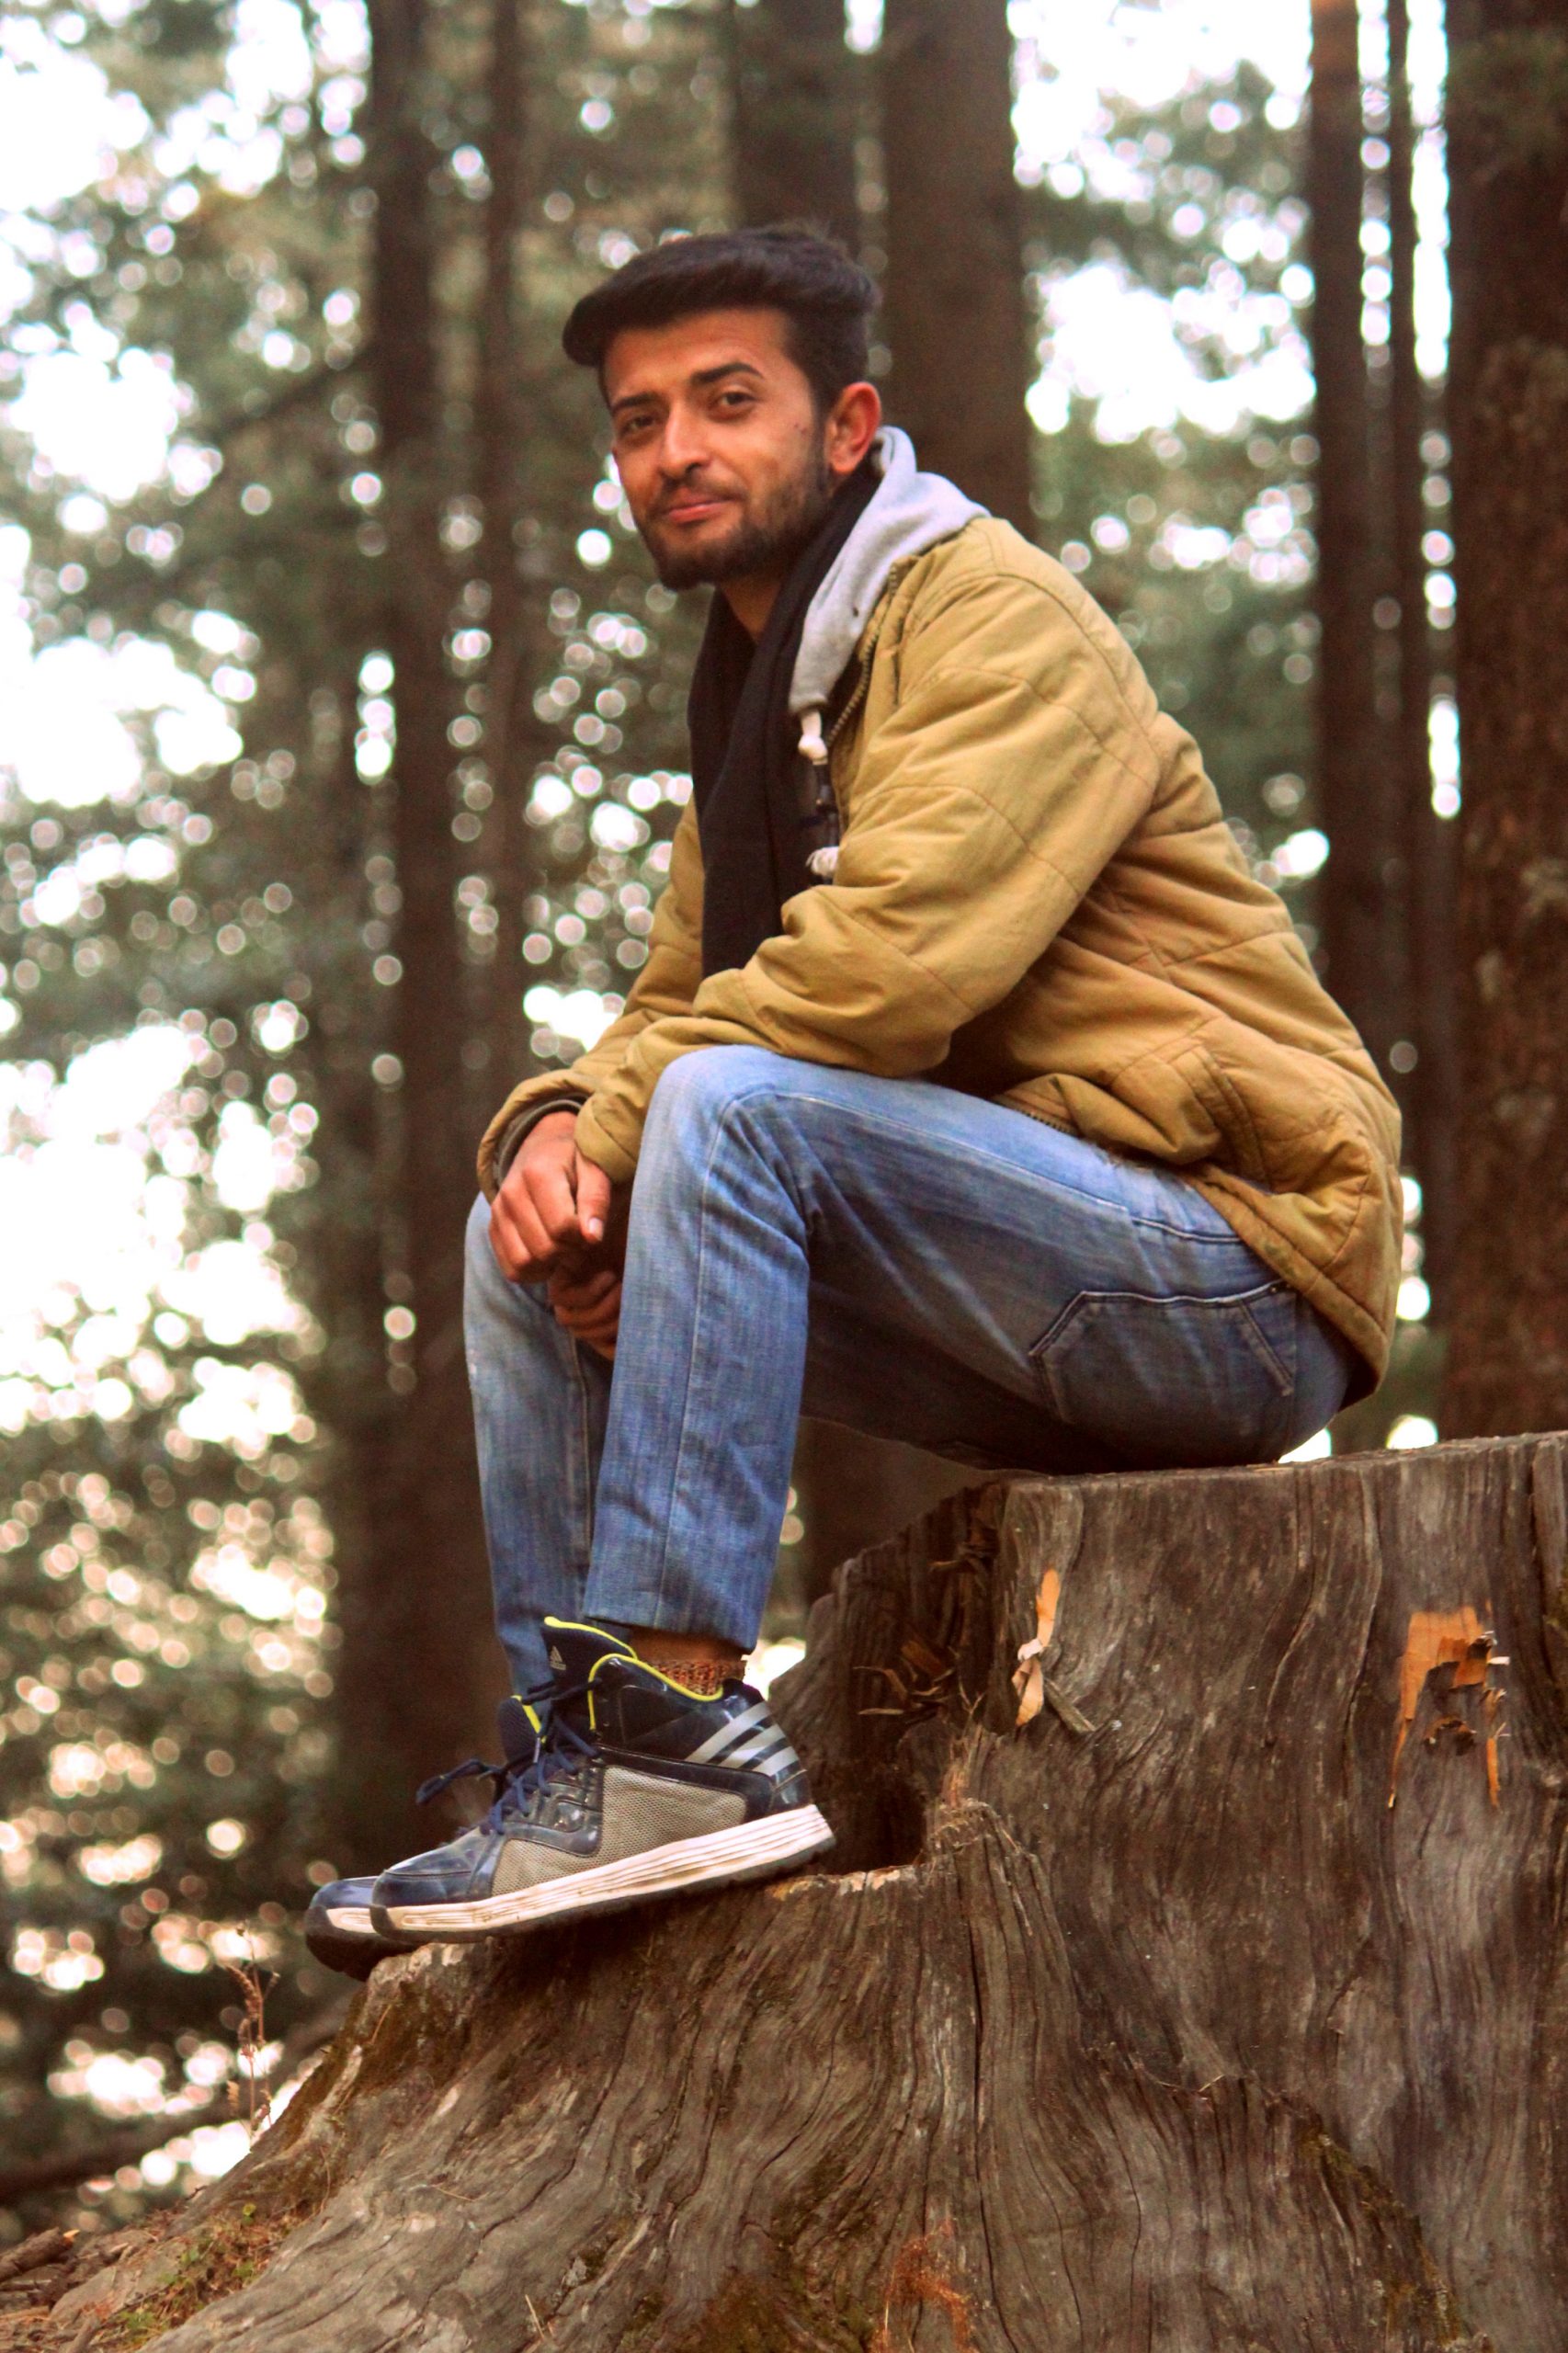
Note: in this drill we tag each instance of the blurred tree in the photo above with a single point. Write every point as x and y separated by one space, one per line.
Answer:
1359 901
502 431
1429 840
425 1594
795 108
956 305
1508 125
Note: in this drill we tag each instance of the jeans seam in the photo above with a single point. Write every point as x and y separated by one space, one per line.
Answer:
1287 1376
583 1467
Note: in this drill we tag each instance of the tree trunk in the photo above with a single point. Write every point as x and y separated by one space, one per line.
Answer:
1189 1974
1428 839
416 1676
794 104
500 424
1357 903
1508 164
956 314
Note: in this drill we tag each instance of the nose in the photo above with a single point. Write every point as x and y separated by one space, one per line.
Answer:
683 444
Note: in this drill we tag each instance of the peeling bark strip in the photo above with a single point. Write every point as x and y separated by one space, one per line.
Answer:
1450 1643
1167 2034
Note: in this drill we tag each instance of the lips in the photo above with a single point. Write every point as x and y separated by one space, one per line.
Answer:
693 510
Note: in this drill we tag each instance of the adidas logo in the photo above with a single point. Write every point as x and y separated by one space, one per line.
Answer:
556 1661
752 1740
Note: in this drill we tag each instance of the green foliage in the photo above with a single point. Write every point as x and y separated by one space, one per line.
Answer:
1185 174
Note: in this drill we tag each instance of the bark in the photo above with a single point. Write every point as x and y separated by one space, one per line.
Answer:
415 1667
957 313
1429 840
794 114
1508 159
1196 1983
1358 904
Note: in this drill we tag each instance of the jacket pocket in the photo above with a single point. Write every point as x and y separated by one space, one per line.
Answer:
1172 1382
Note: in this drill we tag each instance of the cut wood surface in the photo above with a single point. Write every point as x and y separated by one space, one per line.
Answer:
1219 2004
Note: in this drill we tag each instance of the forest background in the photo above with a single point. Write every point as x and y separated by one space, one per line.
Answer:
341 746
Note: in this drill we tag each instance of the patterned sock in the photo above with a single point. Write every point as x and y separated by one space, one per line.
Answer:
706 1677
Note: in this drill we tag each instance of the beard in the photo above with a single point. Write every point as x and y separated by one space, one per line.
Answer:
763 540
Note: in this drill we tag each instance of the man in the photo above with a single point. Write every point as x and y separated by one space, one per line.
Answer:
972 1093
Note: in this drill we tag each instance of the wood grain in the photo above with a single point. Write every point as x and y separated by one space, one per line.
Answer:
1150 2023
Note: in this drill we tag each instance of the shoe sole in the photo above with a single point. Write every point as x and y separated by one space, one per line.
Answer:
355 1923
352 1919
720 1857
346 1940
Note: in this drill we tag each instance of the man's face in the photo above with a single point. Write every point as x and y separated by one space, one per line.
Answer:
726 464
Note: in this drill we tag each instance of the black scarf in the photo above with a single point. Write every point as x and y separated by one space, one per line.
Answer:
754 795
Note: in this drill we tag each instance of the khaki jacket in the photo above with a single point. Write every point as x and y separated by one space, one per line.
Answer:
1038 900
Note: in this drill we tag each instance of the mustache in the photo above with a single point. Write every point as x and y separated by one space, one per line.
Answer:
694 486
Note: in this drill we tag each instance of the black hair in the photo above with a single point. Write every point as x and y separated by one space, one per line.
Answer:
826 299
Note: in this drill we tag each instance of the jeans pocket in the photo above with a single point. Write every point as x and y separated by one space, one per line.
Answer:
1174 1382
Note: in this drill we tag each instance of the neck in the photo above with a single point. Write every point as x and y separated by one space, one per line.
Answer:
751 600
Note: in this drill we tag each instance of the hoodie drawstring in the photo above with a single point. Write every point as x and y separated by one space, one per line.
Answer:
823 816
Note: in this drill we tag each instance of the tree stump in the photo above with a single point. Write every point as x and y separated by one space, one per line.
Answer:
1194 1982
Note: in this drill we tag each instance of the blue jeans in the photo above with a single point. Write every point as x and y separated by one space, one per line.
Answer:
885 1253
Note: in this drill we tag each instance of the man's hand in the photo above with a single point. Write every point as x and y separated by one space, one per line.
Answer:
553 1212
588 1306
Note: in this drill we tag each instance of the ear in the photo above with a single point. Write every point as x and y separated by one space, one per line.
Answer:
852 426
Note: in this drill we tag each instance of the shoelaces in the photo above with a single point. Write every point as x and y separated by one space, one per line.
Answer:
557 1749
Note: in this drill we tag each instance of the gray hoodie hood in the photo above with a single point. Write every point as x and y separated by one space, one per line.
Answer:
908 513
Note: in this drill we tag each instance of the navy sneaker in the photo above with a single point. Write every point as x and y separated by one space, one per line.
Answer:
339 1931
640 1788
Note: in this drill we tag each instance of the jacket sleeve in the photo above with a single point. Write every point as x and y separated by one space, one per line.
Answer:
664 989
1013 766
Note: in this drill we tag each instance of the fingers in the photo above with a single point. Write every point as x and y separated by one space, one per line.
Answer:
547 1175
593 1190
588 1306
535 1213
512 1254
582 1289
522 1247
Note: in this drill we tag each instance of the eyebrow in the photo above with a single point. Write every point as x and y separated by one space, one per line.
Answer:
704 377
